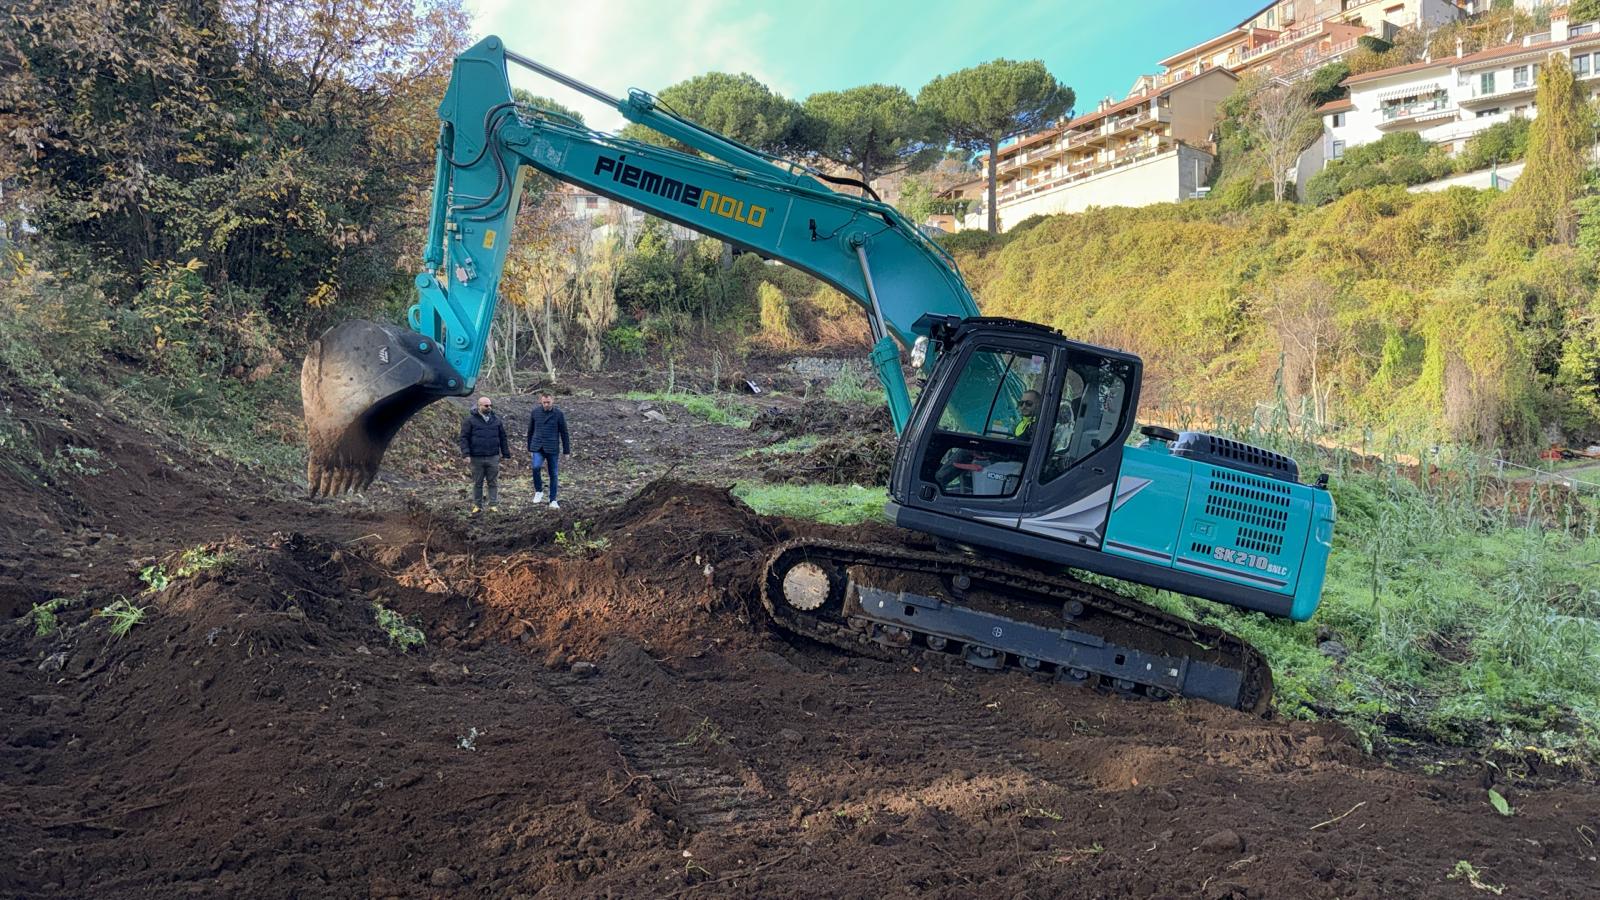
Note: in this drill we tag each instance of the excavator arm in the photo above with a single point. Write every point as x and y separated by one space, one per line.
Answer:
363 380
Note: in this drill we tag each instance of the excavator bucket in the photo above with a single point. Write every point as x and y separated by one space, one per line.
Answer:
360 382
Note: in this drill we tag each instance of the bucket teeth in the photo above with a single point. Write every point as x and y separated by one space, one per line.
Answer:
361 381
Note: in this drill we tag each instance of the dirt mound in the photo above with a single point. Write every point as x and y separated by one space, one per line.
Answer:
820 415
674 569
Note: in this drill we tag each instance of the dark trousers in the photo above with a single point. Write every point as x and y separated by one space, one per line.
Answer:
539 461
485 468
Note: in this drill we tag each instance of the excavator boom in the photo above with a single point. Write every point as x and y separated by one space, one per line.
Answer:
864 248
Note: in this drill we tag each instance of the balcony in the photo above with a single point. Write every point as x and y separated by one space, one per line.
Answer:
1506 89
1309 63
1287 39
1023 188
1432 106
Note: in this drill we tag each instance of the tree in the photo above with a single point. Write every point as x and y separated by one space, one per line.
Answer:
875 130
738 106
1538 208
1327 83
285 146
977 108
1281 121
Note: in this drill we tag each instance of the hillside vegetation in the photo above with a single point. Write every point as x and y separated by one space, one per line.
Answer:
1385 310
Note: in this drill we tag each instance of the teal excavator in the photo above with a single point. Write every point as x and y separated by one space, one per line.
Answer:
1017 457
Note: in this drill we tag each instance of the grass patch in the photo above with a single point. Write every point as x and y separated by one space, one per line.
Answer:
851 387
798 444
841 504
717 410
401 633
253 424
122 615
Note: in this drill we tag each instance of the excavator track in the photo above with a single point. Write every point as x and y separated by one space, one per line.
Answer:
893 603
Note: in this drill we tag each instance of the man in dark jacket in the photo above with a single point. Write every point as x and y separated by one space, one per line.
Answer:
483 443
547 440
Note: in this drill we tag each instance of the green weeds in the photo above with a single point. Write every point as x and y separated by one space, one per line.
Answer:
850 387
401 633
159 576
1466 871
704 730
799 444
580 540
122 615
43 616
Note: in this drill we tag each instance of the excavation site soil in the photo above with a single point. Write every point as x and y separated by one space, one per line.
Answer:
601 709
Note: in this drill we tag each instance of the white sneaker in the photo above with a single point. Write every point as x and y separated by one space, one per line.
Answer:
538 496
554 505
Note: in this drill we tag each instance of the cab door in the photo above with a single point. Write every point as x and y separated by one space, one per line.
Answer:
1077 483
978 436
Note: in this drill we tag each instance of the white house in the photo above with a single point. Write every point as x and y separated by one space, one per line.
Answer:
1447 101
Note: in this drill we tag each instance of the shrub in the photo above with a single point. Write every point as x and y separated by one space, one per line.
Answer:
625 338
777 320
1503 142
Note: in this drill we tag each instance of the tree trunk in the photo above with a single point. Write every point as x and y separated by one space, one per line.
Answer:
994 165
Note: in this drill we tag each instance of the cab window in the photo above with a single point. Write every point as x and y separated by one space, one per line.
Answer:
1091 412
987 424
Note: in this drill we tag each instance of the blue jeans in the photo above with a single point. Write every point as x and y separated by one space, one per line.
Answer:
539 461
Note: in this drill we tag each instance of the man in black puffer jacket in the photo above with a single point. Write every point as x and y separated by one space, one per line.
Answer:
484 444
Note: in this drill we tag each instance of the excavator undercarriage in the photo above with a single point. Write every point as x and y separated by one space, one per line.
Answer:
944 607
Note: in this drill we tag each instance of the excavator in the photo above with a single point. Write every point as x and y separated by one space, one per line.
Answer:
1017 457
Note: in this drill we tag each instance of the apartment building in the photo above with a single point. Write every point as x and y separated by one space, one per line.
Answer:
1156 144
1293 38
1151 147
1447 101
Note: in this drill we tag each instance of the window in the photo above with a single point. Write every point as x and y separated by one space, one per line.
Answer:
1576 30
1485 84
1580 64
1094 394
591 203
1338 120
1338 149
1486 113
987 425
1519 77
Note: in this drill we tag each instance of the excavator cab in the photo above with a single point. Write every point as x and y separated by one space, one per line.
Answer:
1019 446
1016 418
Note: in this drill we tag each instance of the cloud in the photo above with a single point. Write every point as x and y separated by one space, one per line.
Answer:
614 45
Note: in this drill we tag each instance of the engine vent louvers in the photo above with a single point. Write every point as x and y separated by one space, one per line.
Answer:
1232 454
1259 505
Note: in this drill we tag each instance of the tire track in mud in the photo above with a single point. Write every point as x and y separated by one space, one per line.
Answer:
710 788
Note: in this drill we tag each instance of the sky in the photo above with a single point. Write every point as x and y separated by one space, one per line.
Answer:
797 49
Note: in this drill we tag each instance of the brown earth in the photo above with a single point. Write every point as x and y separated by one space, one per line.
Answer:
607 714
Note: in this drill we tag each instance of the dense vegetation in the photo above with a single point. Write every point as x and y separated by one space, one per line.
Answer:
1466 316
